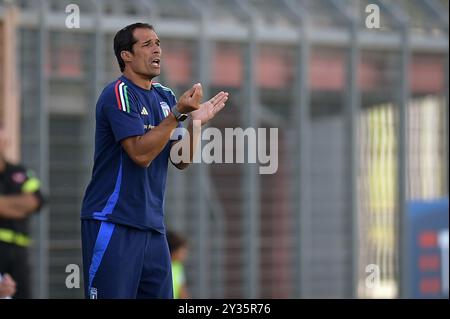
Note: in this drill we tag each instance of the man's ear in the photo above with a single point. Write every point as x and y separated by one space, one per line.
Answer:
126 56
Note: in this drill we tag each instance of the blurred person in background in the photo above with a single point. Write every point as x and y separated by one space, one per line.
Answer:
7 286
125 250
179 250
19 198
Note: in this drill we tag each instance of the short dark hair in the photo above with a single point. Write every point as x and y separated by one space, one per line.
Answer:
124 40
175 240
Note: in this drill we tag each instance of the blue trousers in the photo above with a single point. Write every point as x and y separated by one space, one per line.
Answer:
124 262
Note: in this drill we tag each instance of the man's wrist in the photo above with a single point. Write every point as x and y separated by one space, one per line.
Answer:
178 115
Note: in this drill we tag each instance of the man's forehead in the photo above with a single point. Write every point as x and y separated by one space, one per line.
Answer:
144 34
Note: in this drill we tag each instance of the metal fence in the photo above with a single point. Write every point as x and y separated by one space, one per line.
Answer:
362 118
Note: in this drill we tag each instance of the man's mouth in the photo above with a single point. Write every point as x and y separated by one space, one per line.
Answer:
156 62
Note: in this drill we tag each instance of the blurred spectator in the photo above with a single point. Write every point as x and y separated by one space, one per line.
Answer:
7 286
178 247
19 198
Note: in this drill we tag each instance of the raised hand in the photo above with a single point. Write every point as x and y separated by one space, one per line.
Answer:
190 100
210 108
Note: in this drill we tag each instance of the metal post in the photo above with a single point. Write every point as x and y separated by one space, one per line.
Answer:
218 213
301 121
353 110
207 189
446 131
404 97
43 241
251 188
403 268
99 49
402 166
201 171
438 12
97 82
351 113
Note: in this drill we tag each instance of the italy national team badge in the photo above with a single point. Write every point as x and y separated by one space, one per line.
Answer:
93 293
165 108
